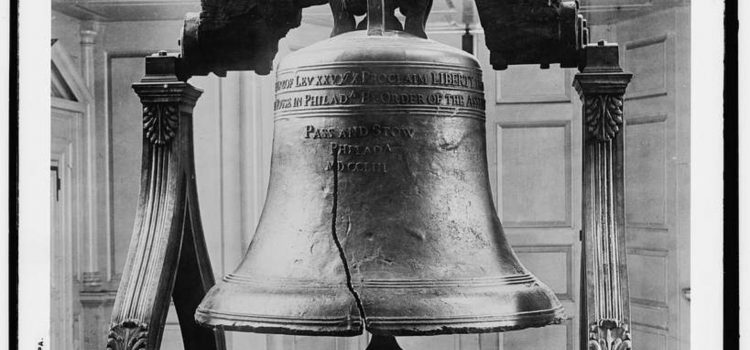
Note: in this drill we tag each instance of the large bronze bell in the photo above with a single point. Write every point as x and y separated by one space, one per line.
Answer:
379 213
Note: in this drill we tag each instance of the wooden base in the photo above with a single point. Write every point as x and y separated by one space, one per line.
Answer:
167 255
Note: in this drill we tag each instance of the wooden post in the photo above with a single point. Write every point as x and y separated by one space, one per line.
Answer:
167 255
605 303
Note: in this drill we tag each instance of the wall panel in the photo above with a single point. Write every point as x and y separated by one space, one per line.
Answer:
648 60
552 264
554 337
648 288
650 339
656 205
534 174
126 132
529 83
646 171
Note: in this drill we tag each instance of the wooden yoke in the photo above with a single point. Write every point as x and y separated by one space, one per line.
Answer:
167 254
605 302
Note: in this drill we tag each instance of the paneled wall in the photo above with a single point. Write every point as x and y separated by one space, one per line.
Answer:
656 49
534 154
534 151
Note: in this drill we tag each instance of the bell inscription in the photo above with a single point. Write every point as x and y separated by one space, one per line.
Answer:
374 148
374 139
387 85
399 77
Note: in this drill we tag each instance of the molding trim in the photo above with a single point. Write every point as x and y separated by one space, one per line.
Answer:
566 249
560 97
657 123
70 73
664 40
565 124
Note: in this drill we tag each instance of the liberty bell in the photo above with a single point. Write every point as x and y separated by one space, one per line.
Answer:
379 214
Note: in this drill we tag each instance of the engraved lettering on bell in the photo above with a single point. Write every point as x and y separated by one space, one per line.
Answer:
357 150
357 167
358 131
366 97
379 213
400 76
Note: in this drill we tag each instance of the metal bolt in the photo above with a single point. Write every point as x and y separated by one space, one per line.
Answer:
602 42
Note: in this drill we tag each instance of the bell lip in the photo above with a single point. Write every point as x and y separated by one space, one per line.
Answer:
337 316
264 325
395 325
536 319
530 320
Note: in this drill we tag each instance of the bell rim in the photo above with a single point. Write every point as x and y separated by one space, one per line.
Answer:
379 326
504 323
408 283
332 326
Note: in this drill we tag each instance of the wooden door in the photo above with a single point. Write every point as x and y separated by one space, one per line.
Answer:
655 47
534 155
59 334
65 224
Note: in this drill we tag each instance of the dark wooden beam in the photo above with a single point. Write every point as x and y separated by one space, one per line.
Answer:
532 32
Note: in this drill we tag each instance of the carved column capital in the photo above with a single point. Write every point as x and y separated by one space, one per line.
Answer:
164 97
160 122
601 86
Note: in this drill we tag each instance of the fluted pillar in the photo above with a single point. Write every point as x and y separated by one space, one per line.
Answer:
91 272
605 302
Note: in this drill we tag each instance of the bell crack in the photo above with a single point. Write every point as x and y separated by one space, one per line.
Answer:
339 246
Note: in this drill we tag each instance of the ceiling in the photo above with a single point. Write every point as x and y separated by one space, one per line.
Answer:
445 14
608 11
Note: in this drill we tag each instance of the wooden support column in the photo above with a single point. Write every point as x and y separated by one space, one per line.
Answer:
605 303
167 255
